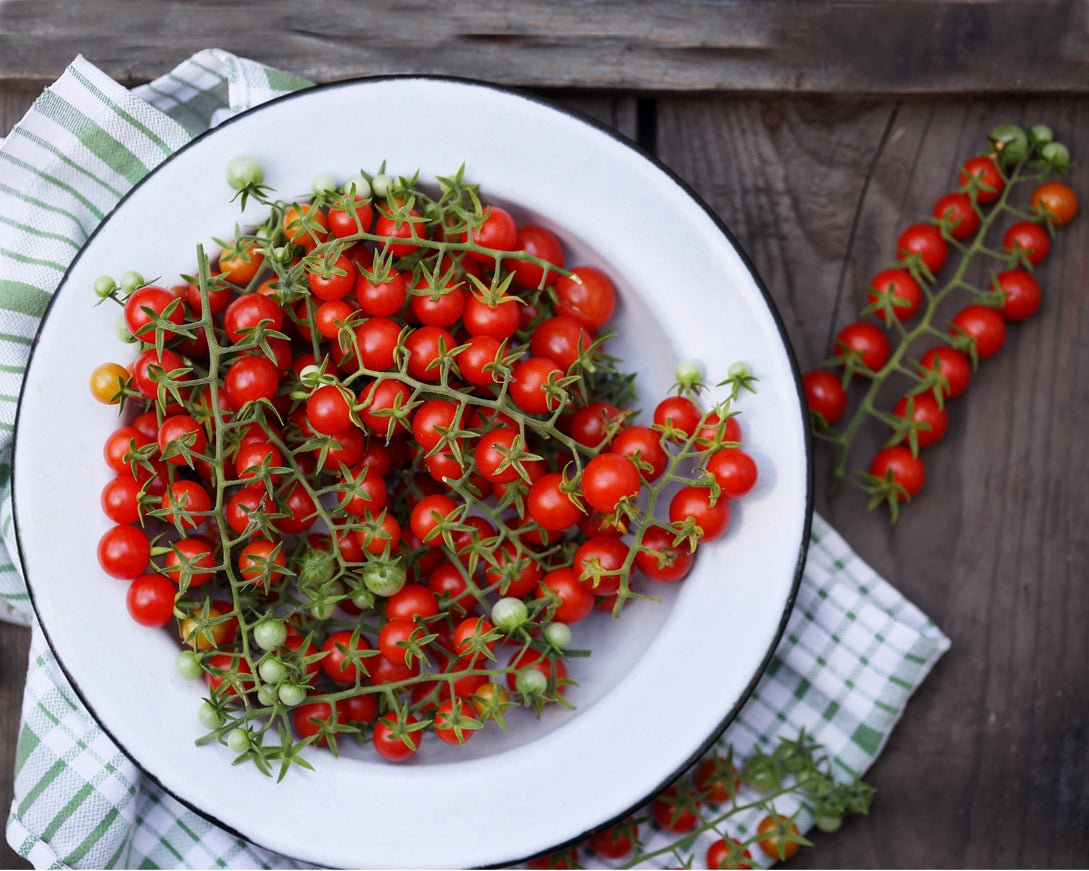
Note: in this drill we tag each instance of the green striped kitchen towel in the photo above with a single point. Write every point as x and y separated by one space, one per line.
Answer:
853 653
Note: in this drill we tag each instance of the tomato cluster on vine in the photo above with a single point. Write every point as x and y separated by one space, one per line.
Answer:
905 304
374 462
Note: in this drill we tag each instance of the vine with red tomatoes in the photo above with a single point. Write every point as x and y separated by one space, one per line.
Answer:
375 462
912 333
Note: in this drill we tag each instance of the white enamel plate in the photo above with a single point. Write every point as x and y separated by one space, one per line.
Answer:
662 682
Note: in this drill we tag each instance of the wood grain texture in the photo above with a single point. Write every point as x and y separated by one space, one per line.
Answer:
876 46
988 767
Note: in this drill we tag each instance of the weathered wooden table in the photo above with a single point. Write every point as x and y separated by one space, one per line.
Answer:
817 131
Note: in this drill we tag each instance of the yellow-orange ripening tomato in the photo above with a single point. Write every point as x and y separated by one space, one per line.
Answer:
107 380
1056 201
241 261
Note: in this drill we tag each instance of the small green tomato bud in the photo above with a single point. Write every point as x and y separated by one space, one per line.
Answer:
209 717
1011 143
267 695
187 665
104 286
558 635
363 600
739 370
122 330
688 372
530 682
238 740
381 185
131 281
272 670
323 183
509 613
269 634
357 186
292 695
1056 154
1040 134
828 822
384 578
244 171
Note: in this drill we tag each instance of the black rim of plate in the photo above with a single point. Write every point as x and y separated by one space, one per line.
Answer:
617 137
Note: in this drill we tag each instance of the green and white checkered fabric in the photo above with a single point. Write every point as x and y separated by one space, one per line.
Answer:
852 655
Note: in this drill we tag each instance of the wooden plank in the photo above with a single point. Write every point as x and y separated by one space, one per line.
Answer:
989 765
864 46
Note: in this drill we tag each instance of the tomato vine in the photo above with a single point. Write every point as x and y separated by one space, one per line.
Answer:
915 347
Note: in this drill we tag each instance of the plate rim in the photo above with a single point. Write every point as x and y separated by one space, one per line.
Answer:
618 138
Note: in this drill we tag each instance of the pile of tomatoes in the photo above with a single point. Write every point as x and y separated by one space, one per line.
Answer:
373 463
905 296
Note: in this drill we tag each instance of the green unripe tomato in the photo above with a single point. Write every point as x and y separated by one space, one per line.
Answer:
1056 154
384 578
323 183
238 740
558 635
1040 134
269 634
1011 143
509 613
357 186
208 716
244 171
131 281
272 670
292 695
187 665
104 285
530 682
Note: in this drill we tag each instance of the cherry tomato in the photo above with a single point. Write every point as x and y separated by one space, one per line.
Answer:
107 381
560 338
728 854
678 413
550 505
924 409
926 242
575 600
587 296
148 303
478 353
402 231
1056 202
615 842
663 561
240 262
497 231
305 224
482 318
824 395
609 478
776 838
734 470
957 215
898 288
318 720
644 446
329 410
598 563
541 243
262 562
988 179
902 468
150 600
180 436
124 552
984 325
120 500
954 368
250 379
529 384
866 344
1027 241
351 218
1021 292
711 517
674 814
187 556
247 312
332 281
714 781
